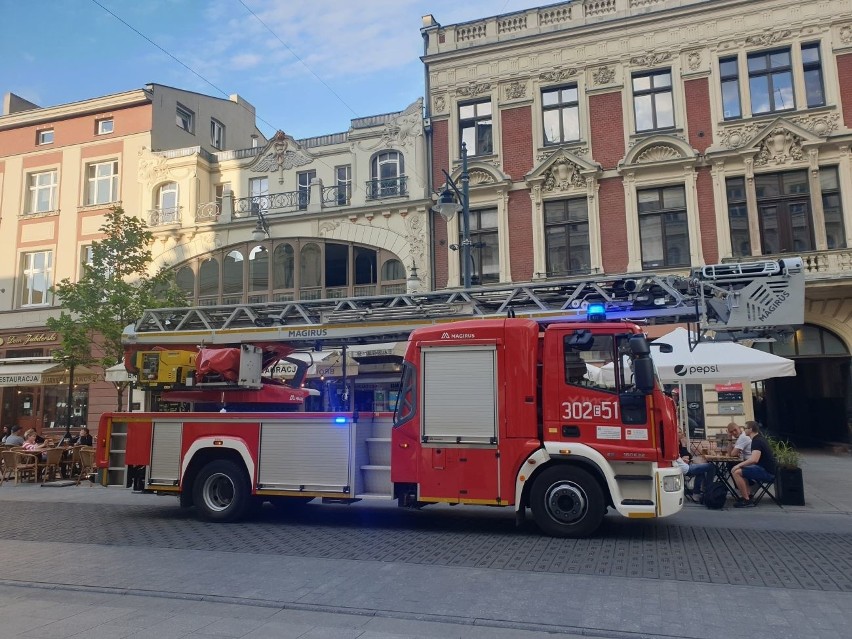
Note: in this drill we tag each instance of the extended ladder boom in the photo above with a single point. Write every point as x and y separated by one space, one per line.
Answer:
755 300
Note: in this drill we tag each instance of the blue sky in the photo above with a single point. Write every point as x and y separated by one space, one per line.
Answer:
366 51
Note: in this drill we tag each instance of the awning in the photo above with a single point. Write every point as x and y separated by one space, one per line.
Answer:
117 373
29 373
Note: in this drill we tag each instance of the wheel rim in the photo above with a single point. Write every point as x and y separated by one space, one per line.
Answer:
218 492
566 502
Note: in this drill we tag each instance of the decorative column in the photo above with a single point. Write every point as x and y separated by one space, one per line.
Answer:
634 243
696 252
817 212
751 205
720 202
845 170
595 239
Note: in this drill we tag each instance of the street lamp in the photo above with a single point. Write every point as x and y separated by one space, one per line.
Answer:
69 402
448 206
261 229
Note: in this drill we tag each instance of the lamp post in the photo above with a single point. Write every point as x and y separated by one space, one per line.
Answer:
261 229
69 403
448 206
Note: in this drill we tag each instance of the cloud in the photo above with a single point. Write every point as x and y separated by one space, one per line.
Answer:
245 61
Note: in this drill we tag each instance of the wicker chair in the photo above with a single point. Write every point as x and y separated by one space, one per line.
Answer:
87 464
52 463
19 465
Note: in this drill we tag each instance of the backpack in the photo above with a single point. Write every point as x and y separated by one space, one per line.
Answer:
715 496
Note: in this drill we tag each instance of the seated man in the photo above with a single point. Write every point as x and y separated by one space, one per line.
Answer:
740 442
703 473
759 466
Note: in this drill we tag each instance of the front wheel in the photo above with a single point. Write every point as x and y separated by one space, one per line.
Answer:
222 492
567 502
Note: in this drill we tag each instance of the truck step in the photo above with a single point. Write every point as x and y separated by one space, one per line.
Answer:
374 496
633 478
636 502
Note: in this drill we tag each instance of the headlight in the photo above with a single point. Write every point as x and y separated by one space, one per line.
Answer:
672 483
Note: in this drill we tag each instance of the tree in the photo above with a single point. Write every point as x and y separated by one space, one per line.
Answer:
75 350
113 290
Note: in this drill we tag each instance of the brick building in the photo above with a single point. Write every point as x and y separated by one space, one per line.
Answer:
61 169
616 136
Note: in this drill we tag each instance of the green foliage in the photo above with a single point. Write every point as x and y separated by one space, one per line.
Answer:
786 456
75 340
114 288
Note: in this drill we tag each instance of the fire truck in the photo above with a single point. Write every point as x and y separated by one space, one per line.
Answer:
494 406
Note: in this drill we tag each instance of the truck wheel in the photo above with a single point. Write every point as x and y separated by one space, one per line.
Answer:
221 491
567 502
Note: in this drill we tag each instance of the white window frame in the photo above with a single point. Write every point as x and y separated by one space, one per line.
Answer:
185 118
29 274
35 189
165 190
93 180
101 126
42 137
217 134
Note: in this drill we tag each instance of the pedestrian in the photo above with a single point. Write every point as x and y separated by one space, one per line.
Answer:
759 466
703 474
15 438
740 446
7 430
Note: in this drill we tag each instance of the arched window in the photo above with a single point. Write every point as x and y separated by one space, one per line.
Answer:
366 270
232 275
311 266
336 265
185 280
387 171
259 269
393 270
208 281
167 196
808 341
283 267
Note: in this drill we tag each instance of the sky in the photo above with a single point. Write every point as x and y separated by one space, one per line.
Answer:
319 63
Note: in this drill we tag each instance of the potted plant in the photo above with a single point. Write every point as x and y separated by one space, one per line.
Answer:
789 487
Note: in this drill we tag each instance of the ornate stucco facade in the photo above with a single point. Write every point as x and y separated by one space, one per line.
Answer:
618 136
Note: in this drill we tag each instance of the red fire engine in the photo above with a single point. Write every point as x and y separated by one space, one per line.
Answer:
497 409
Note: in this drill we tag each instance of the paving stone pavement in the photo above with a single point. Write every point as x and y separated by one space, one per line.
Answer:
768 573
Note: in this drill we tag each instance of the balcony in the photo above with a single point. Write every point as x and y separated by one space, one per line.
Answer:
829 266
207 213
271 203
340 195
164 216
386 187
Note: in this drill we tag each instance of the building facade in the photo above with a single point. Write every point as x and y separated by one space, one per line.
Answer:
339 215
61 169
620 136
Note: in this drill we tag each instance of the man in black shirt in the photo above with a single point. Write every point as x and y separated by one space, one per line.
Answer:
759 466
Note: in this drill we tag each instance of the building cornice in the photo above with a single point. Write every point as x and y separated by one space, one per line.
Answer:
74 109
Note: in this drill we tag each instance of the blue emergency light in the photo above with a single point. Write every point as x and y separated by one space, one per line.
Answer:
339 420
596 312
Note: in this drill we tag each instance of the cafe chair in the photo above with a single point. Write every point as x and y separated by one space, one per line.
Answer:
87 464
19 465
763 489
70 461
6 471
52 463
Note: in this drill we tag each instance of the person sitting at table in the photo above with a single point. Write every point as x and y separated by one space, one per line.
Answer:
31 445
703 473
83 439
15 438
759 466
740 446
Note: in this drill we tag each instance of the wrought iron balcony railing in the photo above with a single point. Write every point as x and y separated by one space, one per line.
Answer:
386 187
831 264
272 203
161 217
208 212
339 195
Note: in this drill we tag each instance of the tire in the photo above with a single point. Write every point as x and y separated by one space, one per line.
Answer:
221 492
567 502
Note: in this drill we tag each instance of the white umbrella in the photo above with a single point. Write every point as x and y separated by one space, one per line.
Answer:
715 362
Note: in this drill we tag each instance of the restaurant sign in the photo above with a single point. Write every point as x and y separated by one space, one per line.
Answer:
25 339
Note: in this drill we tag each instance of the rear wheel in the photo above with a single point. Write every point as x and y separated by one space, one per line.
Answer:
222 492
567 502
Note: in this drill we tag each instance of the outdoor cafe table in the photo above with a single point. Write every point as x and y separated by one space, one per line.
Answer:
722 464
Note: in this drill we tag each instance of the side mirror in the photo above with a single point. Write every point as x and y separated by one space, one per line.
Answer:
643 375
664 348
639 345
582 340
